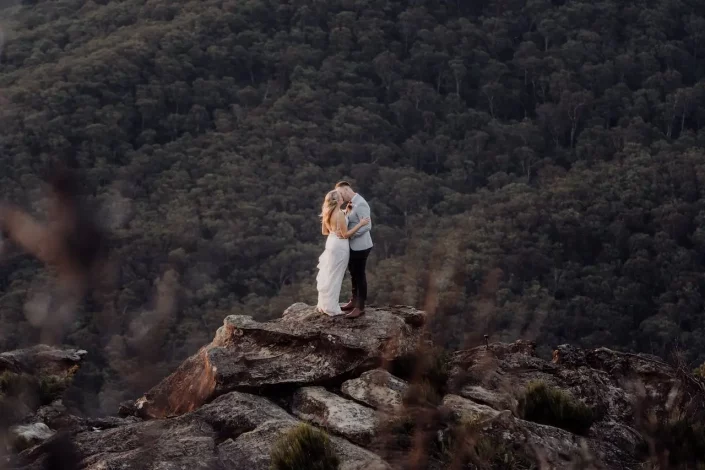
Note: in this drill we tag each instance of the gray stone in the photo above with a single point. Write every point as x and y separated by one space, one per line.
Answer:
617 386
605 380
496 399
251 450
42 360
340 416
376 388
235 431
468 410
555 447
302 347
29 435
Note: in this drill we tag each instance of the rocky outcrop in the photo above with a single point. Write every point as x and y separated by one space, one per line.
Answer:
30 378
557 447
620 388
226 406
235 431
610 382
302 347
42 360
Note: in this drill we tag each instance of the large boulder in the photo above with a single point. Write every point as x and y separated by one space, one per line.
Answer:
234 431
556 447
622 389
497 399
376 388
42 360
32 377
619 383
251 450
344 417
302 347
614 384
468 410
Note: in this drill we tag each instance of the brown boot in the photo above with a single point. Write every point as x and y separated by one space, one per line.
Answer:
348 306
355 313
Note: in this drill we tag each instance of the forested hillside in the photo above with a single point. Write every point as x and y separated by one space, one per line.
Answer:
534 167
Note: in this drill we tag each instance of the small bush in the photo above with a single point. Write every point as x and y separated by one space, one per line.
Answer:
304 448
700 370
51 388
31 390
548 405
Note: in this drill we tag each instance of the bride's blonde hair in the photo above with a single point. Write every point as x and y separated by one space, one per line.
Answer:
330 204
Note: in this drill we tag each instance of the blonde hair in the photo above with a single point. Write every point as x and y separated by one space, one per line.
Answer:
330 204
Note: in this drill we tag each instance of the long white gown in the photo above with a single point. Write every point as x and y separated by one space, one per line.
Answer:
331 268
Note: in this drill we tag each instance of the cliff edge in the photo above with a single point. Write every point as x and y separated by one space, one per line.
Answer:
387 397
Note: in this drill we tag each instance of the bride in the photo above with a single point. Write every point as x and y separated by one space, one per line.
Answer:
334 260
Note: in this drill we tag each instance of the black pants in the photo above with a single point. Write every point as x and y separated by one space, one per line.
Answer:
356 266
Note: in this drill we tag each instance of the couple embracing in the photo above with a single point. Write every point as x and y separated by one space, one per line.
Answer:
345 219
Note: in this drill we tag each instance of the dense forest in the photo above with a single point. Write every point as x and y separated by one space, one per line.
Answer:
534 167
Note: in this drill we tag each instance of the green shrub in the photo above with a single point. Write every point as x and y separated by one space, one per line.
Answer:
32 390
304 448
551 406
51 388
700 370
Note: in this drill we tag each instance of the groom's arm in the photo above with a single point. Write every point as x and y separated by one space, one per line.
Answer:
363 210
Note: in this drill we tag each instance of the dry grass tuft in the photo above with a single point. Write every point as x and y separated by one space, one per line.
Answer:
304 448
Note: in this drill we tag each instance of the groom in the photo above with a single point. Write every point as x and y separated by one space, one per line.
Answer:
360 247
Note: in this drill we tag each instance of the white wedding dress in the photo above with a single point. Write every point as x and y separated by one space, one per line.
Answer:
331 269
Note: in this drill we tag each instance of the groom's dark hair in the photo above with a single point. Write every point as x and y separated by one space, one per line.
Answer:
340 184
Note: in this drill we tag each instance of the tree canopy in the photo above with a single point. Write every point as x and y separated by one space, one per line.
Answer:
534 167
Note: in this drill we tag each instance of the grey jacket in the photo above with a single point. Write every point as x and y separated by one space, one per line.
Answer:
361 240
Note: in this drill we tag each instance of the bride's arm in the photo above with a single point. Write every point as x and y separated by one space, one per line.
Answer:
343 231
